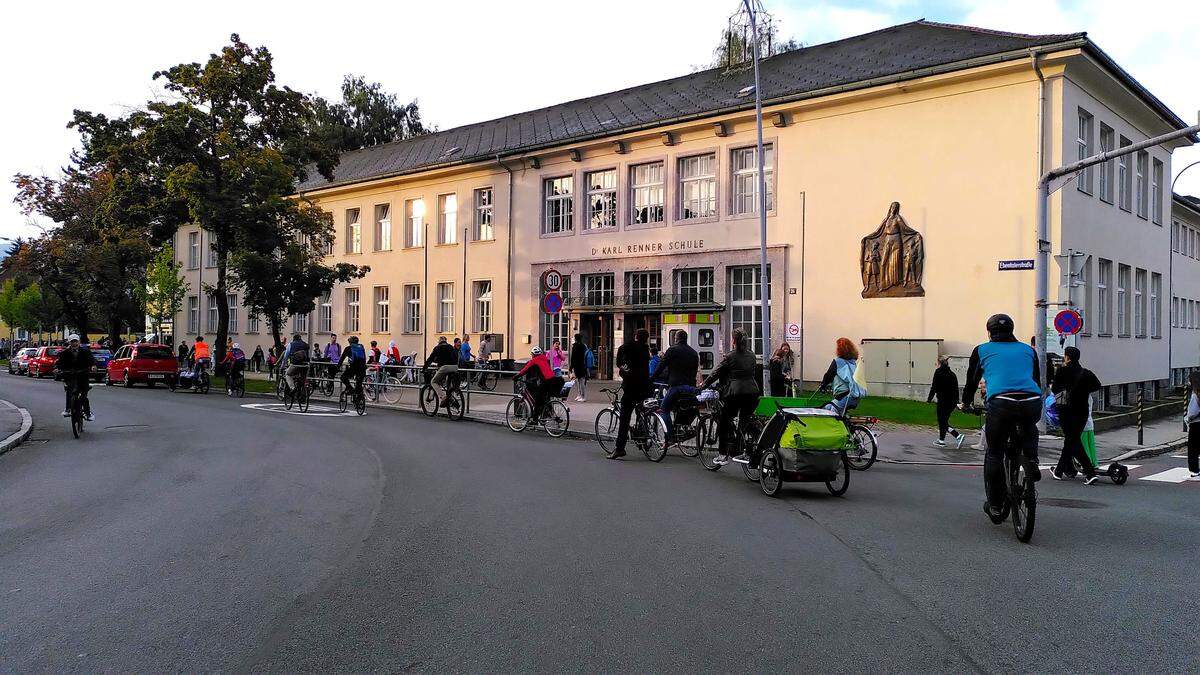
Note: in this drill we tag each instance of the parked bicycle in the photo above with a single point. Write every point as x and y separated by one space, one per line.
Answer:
379 384
647 435
483 375
555 417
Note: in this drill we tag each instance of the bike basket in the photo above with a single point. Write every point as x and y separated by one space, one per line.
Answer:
815 433
811 465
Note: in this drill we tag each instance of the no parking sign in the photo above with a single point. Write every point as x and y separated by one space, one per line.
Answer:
1068 322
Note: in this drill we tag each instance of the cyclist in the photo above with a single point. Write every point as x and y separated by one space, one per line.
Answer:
201 358
445 357
547 385
75 364
678 366
1014 405
235 361
294 360
739 372
355 358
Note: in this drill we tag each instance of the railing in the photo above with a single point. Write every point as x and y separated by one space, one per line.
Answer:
411 377
643 299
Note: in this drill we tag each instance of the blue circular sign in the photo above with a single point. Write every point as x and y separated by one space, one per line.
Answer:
1068 322
552 303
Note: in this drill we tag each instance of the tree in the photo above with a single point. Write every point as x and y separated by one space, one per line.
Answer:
164 291
9 312
365 116
735 51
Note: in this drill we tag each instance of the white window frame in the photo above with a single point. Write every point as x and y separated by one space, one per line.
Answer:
193 250
412 308
300 323
598 290
643 287
697 186
383 227
1085 281
325 313
414 223
648 193
447 219
485 214
481 291
214 314
353 231
1141 183
695 286
748 175
252 322
740 300
445 297
1104 297
1124 180
1108 169
352 310
602 201
231 299
1083 144
558 209
1156 191
1155 305
383 309
193 314
1139 302
1124 281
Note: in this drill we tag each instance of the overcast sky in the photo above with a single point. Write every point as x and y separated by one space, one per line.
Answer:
475 60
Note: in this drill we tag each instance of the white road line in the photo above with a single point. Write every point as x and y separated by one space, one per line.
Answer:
1176 475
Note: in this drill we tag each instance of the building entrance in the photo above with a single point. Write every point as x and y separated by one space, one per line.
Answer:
650 321
597 331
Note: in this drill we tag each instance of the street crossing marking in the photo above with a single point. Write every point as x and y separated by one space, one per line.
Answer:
1177 475
313 410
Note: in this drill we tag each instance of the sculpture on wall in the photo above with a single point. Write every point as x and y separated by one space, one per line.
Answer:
893 259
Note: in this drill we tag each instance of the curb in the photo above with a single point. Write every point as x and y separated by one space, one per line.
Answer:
19 437
1132 455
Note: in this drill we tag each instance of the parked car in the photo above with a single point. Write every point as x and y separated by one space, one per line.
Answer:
19 363
102 357
147 363
42 363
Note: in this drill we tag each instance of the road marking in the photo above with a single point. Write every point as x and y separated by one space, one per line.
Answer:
1176 475
313 410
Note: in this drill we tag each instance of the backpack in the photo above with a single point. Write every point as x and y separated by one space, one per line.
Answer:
847 371
298 357
358 354
589 359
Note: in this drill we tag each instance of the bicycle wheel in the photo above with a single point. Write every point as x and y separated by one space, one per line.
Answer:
240 389
606 429
304 397
488 379
289 399
517 414
841 482
360 405
391 390
770 473
371 389
343 401
456 405
76 418
280 385
1024 506
556 419
204 383
429 401
709 445
861 448
655 446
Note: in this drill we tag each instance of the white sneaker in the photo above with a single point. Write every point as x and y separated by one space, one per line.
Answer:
90 417
1195 476
66 413
961 437
1091 479
940 442
721 460
578 398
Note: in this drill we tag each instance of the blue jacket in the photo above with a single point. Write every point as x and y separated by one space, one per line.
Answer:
1006 365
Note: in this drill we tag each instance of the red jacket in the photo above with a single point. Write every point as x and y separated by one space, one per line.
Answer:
542 363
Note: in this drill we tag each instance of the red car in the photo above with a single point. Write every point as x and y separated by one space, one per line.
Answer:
42 363
142 363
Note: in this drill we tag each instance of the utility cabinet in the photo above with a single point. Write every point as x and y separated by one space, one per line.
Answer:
900 367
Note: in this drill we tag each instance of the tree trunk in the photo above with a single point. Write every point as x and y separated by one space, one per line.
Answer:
222 298
276 325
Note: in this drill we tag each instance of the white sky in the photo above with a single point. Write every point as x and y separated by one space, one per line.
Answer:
474 60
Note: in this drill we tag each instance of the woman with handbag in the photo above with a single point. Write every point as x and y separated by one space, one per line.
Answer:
1072 388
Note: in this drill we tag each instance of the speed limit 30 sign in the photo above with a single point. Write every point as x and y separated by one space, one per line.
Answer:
551 280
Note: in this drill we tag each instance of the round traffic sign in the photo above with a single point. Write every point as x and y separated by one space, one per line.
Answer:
552 303
1068 322
551 280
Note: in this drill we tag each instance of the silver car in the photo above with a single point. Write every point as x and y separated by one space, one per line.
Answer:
19 364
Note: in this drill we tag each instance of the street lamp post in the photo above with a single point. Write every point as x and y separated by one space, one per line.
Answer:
765 279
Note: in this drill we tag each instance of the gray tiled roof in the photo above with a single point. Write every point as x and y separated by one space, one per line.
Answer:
891 52
1189 201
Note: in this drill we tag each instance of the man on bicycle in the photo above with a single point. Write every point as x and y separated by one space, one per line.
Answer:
356 367
679 366
445 357
1014 405
75 365
547 385
295 360
201 358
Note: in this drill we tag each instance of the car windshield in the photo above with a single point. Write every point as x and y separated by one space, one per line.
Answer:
154 353
102 353
52 351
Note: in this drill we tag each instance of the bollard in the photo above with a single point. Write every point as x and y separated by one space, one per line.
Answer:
1139 415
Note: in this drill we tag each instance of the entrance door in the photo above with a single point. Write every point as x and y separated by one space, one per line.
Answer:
651 322
597 330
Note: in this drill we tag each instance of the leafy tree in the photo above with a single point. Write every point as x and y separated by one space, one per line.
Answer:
164 290
735 51
365 116
9 312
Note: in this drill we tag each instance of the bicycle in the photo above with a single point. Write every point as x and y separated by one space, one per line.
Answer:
555 417
454 403
235 384
686 432
77 416
744 438
358 398
646 435
1021 500
300 395
387 387
485 375
862 447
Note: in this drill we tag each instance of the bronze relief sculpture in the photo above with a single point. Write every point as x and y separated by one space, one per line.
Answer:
893 259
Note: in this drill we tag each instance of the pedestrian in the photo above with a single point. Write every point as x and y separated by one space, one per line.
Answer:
183 354
654 358
1072 387
485 349
272 360
1193 427
945 389
393 353
780 369
465 358
633 363
558 358
738 376
579 367
256 359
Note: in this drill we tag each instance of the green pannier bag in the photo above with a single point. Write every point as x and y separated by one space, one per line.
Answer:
817 433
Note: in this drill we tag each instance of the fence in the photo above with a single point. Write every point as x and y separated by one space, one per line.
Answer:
389 381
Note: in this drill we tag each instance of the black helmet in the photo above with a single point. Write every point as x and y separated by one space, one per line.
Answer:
999 324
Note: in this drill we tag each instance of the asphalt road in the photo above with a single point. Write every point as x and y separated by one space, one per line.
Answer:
186 532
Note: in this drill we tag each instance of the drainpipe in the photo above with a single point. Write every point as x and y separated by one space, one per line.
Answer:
508 285
1042 254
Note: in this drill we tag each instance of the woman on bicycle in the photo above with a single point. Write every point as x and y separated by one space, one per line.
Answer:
840 377
549 385
738 373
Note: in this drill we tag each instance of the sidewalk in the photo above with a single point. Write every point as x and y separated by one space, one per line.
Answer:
15 426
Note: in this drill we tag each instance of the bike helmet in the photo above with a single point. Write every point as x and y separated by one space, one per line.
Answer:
999 325
72 338
237 345
535 351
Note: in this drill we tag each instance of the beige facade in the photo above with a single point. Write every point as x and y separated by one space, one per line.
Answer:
660 223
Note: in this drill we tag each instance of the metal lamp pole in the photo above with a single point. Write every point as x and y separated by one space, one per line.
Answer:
765 279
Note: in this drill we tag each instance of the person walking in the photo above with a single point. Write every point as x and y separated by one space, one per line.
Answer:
1193 427
780 368
256 359
633 363
945 389
579 367
1072 387
738 375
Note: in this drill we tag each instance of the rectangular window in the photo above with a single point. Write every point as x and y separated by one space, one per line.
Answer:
325 313
1107 169
1175 236
193 250
1140 184
559 196
193 315
353 232
485 213
414 223
745 302
1124 180
1174 312
383 227
745 179
644 288
412 308
1156 192
1085 282
698 186
448 219
445 320
1123 281
233 312
695 286
383 310
1104 297
351 310
213 314
648 194
557 326
212 254
252 323
1156 305
1139 303
300 324
602 199
482 292
1083 144
598 289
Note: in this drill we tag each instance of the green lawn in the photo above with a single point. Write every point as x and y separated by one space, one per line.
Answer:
252 386
901 410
